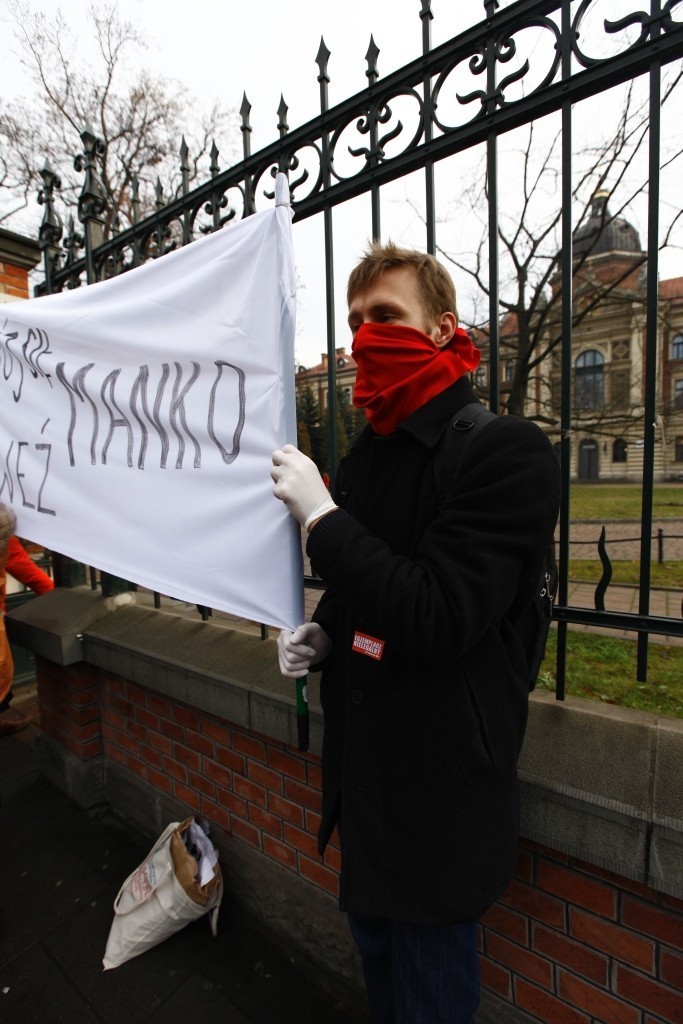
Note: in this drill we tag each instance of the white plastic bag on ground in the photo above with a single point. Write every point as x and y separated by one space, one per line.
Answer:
160 897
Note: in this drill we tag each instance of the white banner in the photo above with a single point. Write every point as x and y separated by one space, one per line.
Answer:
138 417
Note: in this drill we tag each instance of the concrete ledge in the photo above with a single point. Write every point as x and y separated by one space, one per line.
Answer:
604 784
52 625
221 671
598 782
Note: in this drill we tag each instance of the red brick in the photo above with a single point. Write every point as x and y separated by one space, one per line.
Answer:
315 776
266 821
279 852
114 753
202 785
229 759
185 717
519 960
146 718
196 741
160 706
671 968
507 922
172 730
217 773
138 767
671 903
286 763
301 840
175 770
232 803
249 791
303 795
150 755
535 904
188 797
574 955
613 940
246 832
159 742
665 1002
545 1006
137 731
315 872
159 780
215 814
525 865
496 978
218 734
126 743
243 744
285 809
660 924
91 749
607 1008
578 889
188 757
266 777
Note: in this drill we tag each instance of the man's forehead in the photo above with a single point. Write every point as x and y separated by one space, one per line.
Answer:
388 286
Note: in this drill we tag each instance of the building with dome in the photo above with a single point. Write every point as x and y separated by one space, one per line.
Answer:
608 357
608 354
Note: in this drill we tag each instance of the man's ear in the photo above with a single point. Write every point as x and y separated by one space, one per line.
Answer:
444 329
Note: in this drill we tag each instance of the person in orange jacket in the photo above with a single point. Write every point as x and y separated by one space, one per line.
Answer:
14 560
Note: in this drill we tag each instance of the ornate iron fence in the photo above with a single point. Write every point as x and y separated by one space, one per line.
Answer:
361 144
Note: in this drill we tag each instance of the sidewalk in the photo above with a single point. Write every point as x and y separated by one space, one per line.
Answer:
60 870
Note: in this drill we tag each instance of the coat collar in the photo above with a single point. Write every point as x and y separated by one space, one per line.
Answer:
426 424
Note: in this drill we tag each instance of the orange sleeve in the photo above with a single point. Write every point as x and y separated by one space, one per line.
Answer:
23 568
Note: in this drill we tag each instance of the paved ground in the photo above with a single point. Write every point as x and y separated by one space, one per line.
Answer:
60 869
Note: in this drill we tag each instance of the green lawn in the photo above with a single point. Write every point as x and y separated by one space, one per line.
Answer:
603 668
623 501
668 574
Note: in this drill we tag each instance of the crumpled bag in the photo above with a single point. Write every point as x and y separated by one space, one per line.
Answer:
160 897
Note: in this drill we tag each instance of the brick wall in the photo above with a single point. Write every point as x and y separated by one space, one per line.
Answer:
569 943
13 280
572 944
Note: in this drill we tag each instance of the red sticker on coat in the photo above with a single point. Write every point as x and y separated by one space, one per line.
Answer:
368 645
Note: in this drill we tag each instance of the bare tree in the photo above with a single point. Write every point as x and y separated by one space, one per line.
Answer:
530 242
139 118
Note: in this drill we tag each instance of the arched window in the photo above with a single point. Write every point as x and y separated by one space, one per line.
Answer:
677 346
619 450
590 380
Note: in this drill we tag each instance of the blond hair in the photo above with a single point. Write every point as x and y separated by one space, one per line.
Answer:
435 285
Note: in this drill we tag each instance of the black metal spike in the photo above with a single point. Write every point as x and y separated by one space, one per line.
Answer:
371 57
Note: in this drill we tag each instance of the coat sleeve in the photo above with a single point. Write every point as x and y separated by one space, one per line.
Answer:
484 544
23 568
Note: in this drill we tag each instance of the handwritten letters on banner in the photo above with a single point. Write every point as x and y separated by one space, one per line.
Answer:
138 416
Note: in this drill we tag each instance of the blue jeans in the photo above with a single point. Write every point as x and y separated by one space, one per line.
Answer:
418 973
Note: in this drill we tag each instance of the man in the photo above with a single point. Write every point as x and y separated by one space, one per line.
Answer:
424 686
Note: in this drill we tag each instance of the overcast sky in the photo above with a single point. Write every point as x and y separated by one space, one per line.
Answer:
220 49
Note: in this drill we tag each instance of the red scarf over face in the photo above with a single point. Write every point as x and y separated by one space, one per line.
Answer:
400 368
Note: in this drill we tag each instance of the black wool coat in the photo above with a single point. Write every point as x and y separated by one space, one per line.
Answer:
421 743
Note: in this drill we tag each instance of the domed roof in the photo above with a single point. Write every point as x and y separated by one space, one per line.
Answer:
604 233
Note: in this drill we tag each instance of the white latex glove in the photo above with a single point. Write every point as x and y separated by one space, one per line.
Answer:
297 651
299 484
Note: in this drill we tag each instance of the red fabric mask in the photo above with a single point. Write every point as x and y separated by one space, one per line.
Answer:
400 368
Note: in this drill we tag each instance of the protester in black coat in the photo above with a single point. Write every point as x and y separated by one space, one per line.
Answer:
424 686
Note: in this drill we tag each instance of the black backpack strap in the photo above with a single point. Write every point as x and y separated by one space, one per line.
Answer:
454 441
